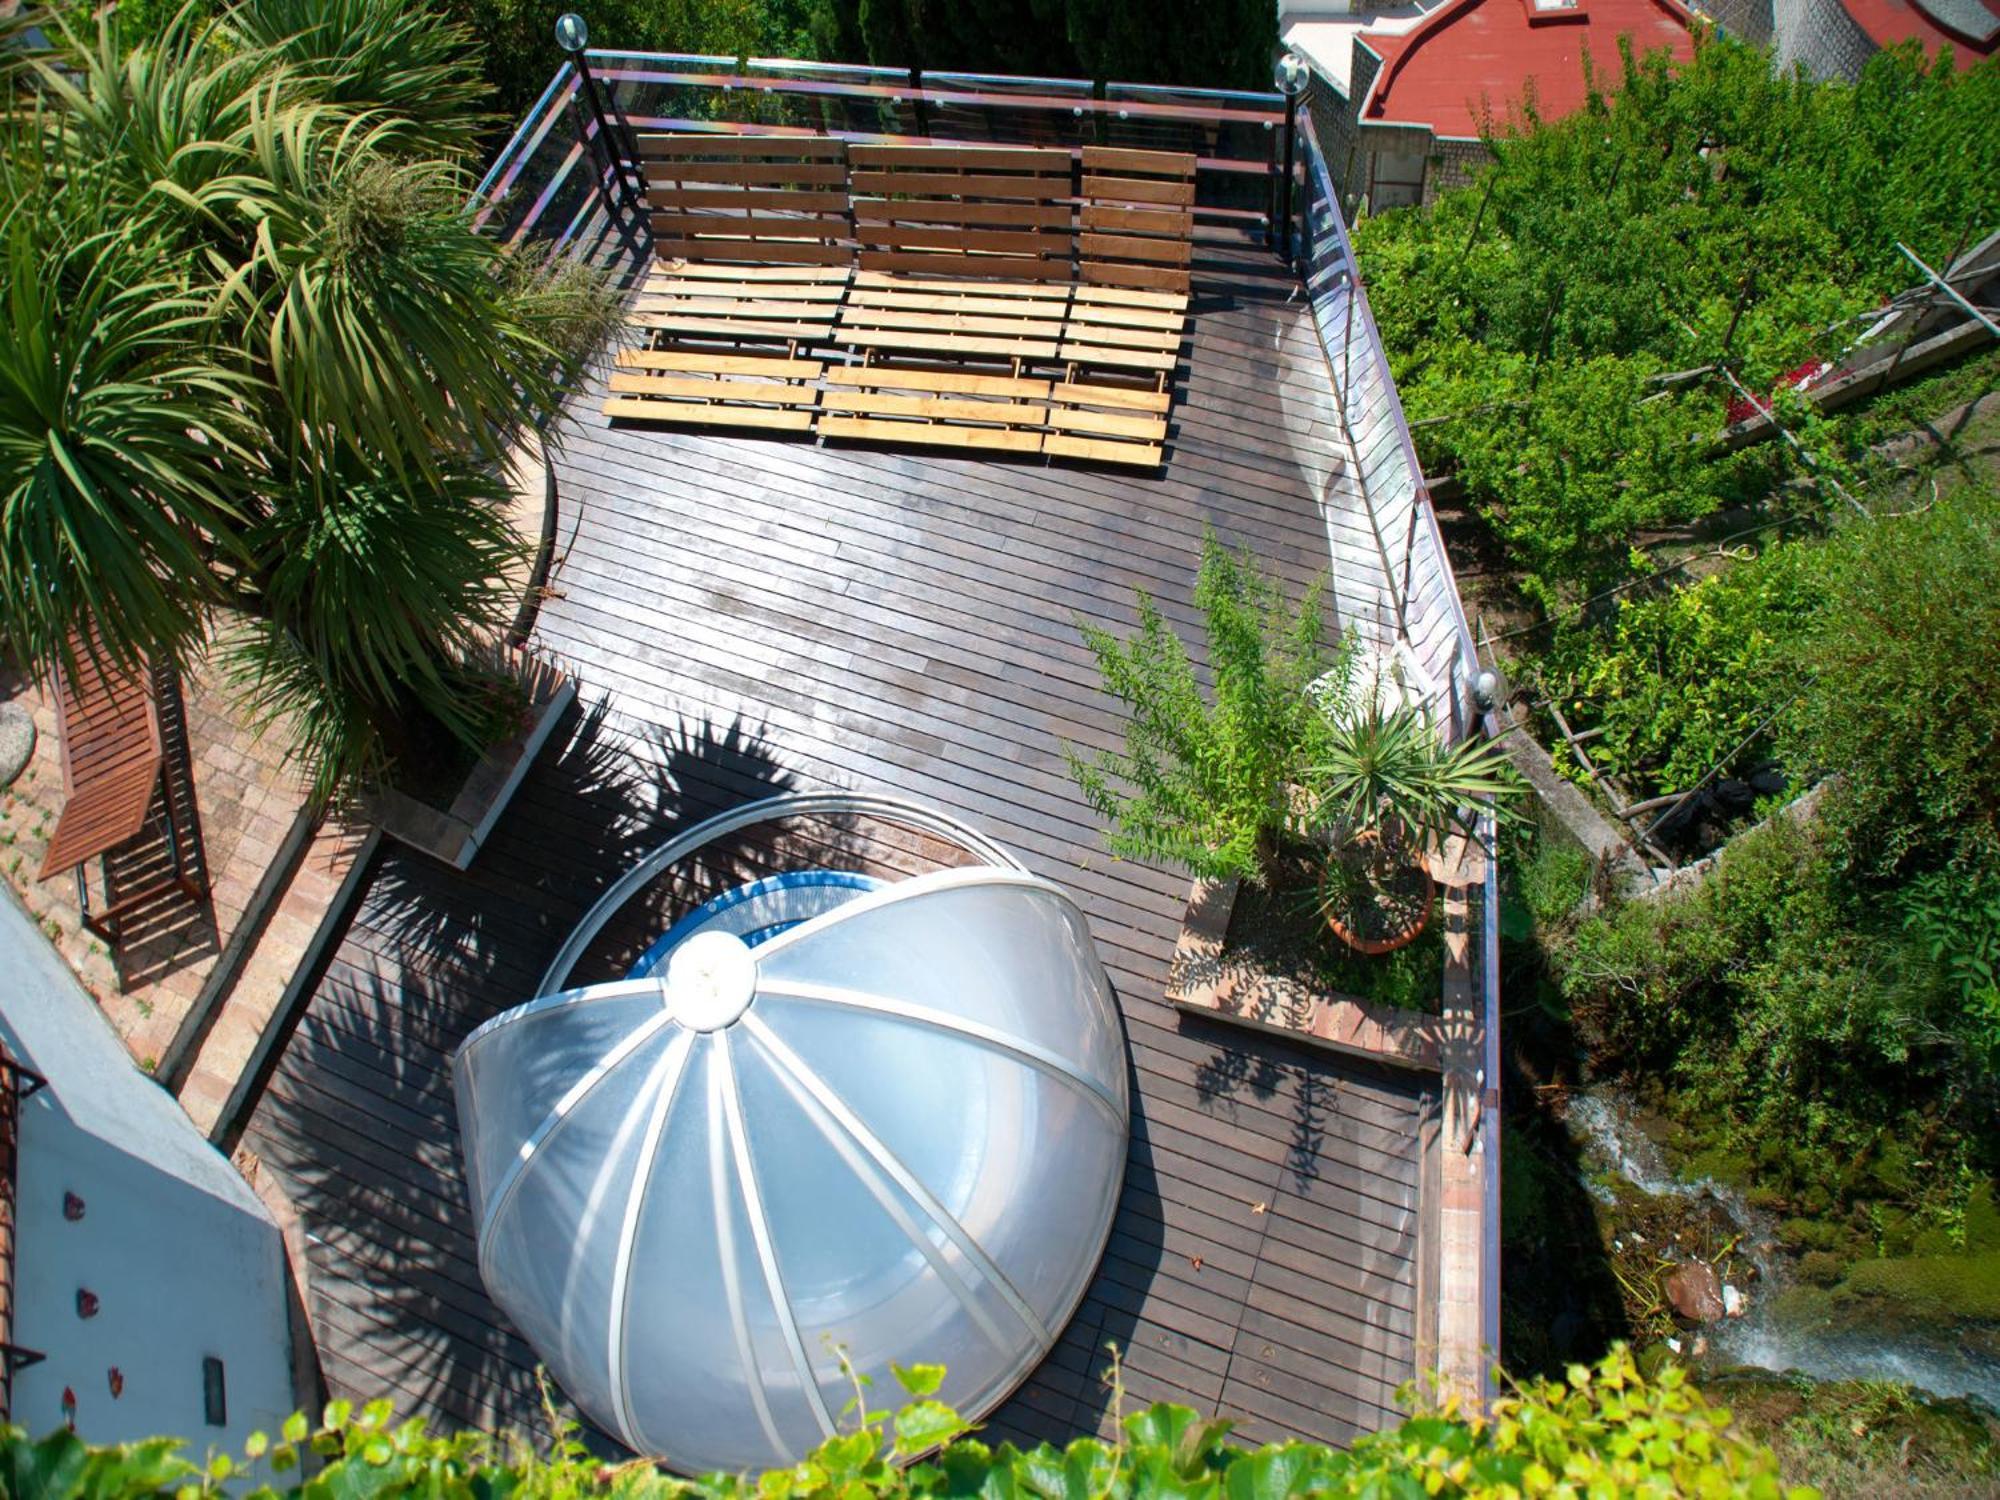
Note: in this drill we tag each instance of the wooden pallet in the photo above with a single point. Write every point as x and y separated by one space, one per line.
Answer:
768 199
758 390
932 319
963 210
1107 423
1125 330
946 408
1136 219
761 305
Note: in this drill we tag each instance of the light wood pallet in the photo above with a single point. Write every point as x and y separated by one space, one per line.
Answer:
1107 423
759 390
929 318
764 199
945 408
963 211
776 306
1136 219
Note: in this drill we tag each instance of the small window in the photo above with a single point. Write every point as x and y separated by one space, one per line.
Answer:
214 1398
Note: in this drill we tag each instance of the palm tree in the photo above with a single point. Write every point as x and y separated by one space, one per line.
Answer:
264 362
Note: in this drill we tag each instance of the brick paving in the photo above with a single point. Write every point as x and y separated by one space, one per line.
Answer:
246 798
281 949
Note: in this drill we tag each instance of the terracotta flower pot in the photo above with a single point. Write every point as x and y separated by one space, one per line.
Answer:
1422 892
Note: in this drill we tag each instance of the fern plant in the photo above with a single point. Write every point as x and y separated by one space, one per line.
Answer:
1202 780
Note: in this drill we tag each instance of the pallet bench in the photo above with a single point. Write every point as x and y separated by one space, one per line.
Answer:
653 385
946 408
752 259
948 319
959 296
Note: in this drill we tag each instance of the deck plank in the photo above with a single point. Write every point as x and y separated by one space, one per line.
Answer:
748 615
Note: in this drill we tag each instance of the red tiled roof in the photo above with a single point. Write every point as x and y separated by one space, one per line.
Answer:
1471 59
1888 22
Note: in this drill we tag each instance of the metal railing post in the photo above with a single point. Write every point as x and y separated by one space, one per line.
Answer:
614 147
1285 188
1292 77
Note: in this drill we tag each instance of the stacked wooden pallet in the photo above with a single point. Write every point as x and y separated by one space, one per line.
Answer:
954 296
752 258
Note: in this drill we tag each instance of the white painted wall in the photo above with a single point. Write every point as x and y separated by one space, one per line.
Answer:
184 1259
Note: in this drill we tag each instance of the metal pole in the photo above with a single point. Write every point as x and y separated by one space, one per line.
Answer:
613 146
1285 190
594 149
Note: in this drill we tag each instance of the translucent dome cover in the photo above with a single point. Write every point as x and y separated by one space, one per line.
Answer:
824 1115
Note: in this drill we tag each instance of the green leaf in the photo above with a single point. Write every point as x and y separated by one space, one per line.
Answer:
919 1380
923 1425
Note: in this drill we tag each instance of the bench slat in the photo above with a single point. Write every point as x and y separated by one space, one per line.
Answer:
998 438
773 366
641 409
937 380
715 390
1099 450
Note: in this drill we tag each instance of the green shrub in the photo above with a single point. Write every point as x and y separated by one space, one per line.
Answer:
1202 783
1902 703
1708 211
1602 1431
1683 678
1791 1023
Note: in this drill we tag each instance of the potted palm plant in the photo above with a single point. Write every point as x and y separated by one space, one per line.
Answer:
1386 794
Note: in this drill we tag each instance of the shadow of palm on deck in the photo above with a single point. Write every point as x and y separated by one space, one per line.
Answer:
359 1117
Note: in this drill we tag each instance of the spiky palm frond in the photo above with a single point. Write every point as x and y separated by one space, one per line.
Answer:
159 132
125 454
1386 769
283 372
387 577
370 300
380 57
374 588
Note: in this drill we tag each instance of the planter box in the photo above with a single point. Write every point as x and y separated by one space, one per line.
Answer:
455 834
1205 980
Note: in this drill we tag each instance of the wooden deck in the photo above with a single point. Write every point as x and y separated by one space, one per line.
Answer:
749 615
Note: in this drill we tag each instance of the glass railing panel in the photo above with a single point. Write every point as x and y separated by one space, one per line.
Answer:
1006 111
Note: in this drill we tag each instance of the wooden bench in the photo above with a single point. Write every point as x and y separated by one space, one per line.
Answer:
958 276
119 805
781 305
1136 219
1135 247
963 211
947 408
939 319
1106 423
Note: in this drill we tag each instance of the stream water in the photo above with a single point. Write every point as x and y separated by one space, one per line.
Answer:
1777 1332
